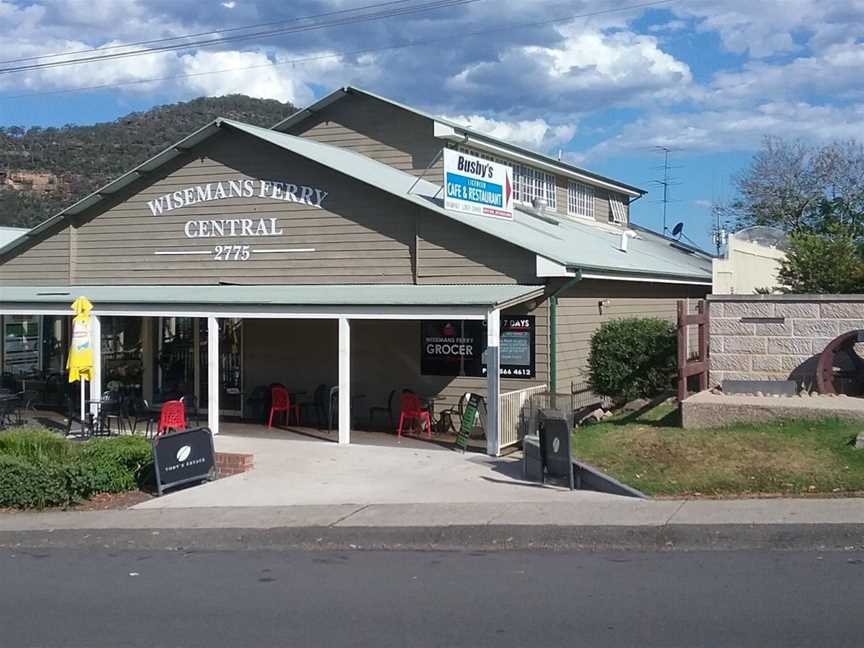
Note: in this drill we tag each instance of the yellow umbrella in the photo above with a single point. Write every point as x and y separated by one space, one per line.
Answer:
80 360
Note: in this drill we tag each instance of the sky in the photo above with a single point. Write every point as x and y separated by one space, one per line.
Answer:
603 83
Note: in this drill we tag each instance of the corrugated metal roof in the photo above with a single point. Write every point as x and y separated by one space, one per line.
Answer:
9 234
567 241
571 243
277 295
334 96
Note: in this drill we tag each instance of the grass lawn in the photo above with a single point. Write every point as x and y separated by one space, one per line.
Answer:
650 453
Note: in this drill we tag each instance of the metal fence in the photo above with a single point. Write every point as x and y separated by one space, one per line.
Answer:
511 407
518 409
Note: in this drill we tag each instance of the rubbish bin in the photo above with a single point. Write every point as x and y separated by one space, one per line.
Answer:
554 432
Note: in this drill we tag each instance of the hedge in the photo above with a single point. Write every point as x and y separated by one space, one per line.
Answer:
39 468
633 358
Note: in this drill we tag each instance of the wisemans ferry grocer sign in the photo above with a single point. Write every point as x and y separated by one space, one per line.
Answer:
232 234
477 186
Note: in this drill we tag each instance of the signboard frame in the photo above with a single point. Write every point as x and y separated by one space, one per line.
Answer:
161 448
472 333
477 186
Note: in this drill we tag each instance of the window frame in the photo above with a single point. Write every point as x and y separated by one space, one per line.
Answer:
589 200
525 177
615 201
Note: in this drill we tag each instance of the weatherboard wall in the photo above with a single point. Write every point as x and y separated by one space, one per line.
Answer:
580 314
44 262
361 234
379 130
405 140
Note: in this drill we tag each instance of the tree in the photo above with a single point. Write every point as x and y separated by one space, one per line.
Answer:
788 184
829 261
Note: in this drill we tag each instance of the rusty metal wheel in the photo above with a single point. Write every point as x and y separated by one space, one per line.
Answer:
841 365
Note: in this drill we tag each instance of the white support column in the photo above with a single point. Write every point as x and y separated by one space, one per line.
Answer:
493 380
96 382
344 381
148 352
212 374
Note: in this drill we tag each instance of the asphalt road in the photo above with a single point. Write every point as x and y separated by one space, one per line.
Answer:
95 598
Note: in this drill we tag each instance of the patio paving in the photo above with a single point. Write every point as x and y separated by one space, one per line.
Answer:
295 468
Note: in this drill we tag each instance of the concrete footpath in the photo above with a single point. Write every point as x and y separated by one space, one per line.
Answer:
612 523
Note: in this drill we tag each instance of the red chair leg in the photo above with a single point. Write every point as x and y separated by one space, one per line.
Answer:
399 429
270 421
428 424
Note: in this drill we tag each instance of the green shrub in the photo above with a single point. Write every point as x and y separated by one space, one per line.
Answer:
39 468
115 465
632 358
35 444
26 484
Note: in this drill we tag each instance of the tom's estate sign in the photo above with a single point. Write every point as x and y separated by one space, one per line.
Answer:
232 228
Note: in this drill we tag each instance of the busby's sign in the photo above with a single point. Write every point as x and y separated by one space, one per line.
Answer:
477 186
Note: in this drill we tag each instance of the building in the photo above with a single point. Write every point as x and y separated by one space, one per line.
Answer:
751 262
319 252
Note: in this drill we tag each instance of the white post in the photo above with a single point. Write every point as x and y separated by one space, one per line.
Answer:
148 353
493 380
96 382
344 381
212 374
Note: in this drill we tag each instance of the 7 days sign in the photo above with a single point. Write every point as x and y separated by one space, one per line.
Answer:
477 186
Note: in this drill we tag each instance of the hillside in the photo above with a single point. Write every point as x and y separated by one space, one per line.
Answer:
43 170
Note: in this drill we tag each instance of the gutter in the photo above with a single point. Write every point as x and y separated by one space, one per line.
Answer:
553 332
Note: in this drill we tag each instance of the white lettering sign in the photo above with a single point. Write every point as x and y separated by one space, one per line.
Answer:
224 190
235 227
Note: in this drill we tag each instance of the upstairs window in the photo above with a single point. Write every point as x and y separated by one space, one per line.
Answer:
580 200
617 211
528 182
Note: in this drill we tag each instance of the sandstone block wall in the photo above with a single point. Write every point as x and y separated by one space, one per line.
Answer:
777 337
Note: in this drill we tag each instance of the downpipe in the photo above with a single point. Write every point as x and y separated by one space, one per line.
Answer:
553 334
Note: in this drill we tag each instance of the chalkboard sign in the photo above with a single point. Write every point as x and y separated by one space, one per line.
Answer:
183 457
456 347
469 420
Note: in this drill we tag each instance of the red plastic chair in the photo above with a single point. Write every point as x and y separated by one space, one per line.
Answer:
281 402
172 416
411 411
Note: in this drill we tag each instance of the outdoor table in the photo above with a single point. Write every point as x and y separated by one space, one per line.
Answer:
429 403
98 424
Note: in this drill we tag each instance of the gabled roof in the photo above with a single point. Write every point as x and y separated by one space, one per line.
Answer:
569 243
459 129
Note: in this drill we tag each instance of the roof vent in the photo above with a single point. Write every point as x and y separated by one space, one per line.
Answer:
625 236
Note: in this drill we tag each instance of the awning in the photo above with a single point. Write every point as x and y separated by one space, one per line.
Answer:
387 301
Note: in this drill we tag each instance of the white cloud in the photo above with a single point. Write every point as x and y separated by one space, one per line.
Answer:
770 27
229 5
535 134
735 129
261 78
588 69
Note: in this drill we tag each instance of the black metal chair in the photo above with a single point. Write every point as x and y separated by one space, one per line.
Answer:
380 409
193 412
320 405
139 411
26 403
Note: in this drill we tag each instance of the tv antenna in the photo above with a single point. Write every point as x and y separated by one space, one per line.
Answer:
666 182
